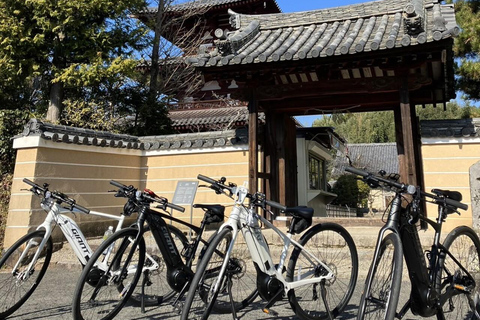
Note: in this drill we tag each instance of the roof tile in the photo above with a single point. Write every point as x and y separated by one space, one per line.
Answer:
376 25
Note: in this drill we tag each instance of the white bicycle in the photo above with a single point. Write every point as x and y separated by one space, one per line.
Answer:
318 281
24 264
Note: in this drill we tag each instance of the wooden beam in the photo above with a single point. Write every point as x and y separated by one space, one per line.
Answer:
253 145
404 126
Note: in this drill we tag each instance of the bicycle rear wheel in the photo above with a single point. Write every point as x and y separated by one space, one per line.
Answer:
464 245
334 246
16 285
379 301
238 283
107 281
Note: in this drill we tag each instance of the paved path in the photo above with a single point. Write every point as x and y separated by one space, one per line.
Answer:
52 299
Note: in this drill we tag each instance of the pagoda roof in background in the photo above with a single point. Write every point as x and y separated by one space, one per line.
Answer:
347 30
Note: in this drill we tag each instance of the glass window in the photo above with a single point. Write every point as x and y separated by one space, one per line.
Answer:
316 174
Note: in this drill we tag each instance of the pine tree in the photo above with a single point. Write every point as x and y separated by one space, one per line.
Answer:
467 47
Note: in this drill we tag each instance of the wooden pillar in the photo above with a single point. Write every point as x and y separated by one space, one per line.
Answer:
405 124
253 145
280 158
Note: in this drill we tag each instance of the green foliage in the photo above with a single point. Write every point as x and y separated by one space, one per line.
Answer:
11 123
467 47
379 127
351 192
370 127
77 43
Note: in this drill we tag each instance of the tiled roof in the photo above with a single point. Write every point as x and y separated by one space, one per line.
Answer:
365 27
72 135
371 157
460 128
211 119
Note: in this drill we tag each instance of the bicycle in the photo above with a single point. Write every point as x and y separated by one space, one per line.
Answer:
321 273
24 264
97 291
444 280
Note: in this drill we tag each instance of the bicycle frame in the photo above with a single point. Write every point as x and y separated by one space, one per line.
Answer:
247 220
425 298
71 231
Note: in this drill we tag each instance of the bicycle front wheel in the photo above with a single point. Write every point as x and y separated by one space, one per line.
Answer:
214 290
108 279
334 247
18 279
380 299
464 245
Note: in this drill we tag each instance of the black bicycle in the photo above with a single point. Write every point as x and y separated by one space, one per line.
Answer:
114 270
444 280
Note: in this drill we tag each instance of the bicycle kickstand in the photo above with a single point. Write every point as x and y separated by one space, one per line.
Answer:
144 282
232 303
323 291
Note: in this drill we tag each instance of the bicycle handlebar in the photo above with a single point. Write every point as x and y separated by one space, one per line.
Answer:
217 186
58 196
258 199
369 177
206 179
131 193
175 207
118 184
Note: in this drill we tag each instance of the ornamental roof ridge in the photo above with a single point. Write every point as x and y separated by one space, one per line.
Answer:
340 13
444 128
80 136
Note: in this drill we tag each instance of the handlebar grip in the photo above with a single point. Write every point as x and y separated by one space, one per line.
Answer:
206 179
117 184
277 205
357 171
456 204
30 183
175 207
83 209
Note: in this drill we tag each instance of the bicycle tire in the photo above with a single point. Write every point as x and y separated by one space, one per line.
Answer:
380 300
107 302
334 246
23 287
464 245
200 300
156 288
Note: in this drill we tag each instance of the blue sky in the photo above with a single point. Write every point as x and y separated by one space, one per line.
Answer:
305 5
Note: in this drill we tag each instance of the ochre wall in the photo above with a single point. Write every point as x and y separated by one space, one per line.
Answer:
164 171
84 173
446 166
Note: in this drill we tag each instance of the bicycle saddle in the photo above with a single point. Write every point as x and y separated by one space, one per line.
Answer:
300 212
454 195
214 208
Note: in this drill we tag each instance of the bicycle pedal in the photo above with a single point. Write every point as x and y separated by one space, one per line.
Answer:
270 312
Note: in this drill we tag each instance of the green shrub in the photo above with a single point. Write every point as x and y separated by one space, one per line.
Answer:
351 192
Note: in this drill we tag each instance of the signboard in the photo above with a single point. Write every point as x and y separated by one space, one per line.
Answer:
185 192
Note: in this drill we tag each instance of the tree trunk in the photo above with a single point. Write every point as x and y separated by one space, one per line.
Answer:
55 103
155 52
